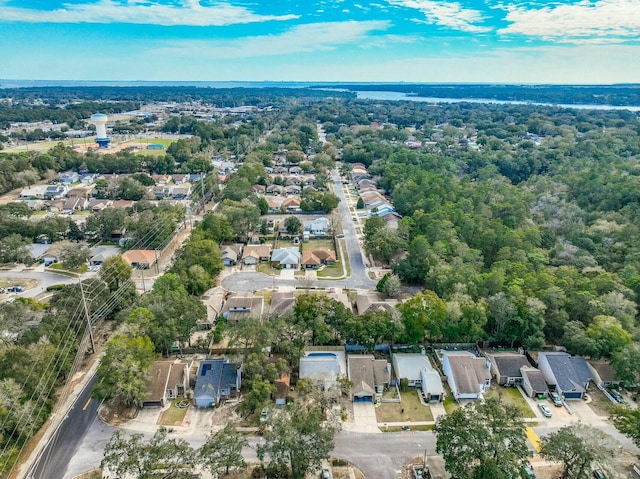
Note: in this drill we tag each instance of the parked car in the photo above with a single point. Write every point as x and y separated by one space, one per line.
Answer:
528 472
616 395
15 289
2 291
264 416
598 474
326 474
555 399
545 410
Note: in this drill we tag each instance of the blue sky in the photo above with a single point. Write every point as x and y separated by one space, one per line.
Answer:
530 41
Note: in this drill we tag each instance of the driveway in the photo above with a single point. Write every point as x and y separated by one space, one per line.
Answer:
364 419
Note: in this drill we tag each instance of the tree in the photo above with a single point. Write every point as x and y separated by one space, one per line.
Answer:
627 421
392 286
223 450
483 440
124 369
424 314
115 272
297 439
577 447
13 249
608 334
293 225
73 256
626 363
360 204
161 458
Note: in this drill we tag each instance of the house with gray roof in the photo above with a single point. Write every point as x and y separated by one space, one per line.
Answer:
286 258
533 382
101 253
417 370
243 306
567 375
505 367
231 253
368 375
169 380
216 379
282 302
317 227
468 376
603 373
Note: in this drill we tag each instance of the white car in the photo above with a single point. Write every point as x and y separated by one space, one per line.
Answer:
545 410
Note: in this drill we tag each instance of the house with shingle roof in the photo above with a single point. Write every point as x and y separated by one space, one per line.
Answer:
468 376
317 227
231 253
254 254
505 367
533 382
238 307
286 258
367 374
567 375
169 380
604 373
140 258
216 379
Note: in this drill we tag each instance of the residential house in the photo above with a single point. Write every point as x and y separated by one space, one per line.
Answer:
282 385
254 254
55 192
231 253
275 190
286 258
295 170
239 307
368 375
259 189
309 181
293 190
317 227
293 180
280 157
87 178
39 251
80 192
533 382
409 365
505 367
74 204
372 301
101 253
36 192
468 376
180 192
291 204
217 379
281 303
169 380
98 205
180 179
68 177
274 204
55 206
432 389
161 179
193 177
318 257
567 375
603 373
280 170
123 204
140 258
323 368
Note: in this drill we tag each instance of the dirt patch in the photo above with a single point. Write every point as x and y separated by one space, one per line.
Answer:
116 414
599 403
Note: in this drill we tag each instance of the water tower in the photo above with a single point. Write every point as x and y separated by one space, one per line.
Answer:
100 121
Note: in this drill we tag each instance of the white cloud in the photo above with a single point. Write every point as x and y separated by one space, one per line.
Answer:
150 12
586 19
305 38
446 13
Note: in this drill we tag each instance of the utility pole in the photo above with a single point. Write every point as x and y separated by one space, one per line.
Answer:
202 186
88 318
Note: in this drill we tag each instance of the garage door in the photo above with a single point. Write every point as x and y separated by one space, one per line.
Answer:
362 399
572 395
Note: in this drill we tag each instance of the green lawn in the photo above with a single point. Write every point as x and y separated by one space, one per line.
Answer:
450 404
511 396
334 271
318 243
173 416
81 269
410 409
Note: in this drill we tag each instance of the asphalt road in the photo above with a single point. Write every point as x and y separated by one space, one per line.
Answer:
44 280
65 443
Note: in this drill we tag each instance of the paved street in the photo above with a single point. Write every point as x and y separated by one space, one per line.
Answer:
66 441
44 280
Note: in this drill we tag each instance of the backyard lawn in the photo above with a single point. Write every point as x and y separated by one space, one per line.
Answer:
318 243
511 396
409 410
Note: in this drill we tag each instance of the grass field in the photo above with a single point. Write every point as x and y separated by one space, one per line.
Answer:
409 410
318 243
511 396
450 404
334 271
